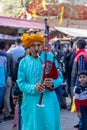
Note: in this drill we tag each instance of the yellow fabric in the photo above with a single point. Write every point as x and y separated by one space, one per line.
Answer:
34 14
44 4
73 108
61 15
28 40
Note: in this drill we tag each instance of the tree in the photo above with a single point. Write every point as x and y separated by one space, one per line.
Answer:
11 7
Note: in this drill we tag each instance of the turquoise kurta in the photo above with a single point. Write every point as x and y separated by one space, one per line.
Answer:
34 117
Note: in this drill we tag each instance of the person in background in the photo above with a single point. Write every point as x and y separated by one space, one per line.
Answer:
78 65
56 50
17 51
17 99
7 106
71 61
32 82
81 99
58 54
47 44
68 70
79 61
4 71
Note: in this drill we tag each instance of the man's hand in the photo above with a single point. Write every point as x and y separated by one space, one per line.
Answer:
15 99
40 87
48 82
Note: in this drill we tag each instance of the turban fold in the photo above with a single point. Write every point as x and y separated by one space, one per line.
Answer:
28 40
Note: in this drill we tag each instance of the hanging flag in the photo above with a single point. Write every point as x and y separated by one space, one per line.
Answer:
44 4
34 14
20 14
61 15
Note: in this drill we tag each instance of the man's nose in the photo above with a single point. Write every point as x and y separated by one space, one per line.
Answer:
36 47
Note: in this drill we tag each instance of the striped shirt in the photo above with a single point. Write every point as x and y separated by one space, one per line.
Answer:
80 97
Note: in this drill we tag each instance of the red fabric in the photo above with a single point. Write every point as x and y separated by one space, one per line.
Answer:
81 52
83 102
77 105
80 103
51 71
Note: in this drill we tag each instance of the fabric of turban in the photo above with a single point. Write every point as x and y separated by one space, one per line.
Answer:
28 40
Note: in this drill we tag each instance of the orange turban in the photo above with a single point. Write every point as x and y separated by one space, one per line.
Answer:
28 40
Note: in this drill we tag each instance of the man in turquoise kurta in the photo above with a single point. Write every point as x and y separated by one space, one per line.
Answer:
30 82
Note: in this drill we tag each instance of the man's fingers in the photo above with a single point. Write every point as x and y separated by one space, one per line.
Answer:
40 88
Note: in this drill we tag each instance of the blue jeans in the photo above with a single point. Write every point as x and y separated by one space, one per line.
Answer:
83 110
2 89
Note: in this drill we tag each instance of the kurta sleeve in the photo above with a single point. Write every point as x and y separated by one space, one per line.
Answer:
23 84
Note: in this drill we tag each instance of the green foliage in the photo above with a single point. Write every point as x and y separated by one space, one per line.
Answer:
11 7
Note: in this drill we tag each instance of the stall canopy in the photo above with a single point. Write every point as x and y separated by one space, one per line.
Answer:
74 32
11 25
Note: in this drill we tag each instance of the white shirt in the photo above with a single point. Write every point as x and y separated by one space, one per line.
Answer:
17 52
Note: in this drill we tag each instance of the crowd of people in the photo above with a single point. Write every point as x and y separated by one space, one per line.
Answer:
36 80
